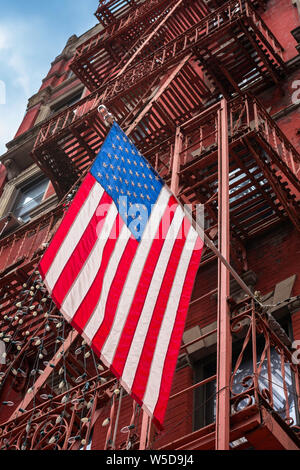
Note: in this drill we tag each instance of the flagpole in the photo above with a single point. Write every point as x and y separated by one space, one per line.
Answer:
109 120
222 440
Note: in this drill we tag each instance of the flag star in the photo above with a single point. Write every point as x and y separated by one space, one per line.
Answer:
105 165
132 182
128 193
115 178
133 152
100 175
126 182
137 174
134 162
120 179
109 187
117 137
124 171
128 161
123 159
113 146
139 185
131 172
142 164
118 168
152 187
117 189
120 148
142 196
134 195
112 167
125 139
148 197
126 150
122 192
106 176
150 176
143 175
157 178
116 157
145 186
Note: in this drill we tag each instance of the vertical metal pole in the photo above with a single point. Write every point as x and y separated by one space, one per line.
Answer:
145 430
176 162
224 344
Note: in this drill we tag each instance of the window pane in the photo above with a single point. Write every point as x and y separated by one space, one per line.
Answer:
30 197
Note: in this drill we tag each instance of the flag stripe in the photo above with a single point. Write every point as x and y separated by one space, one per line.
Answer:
74 235
135 330
89 271
102 282
153 386
150 335
83 249
176 338
134 275
101 331
81 196
148 285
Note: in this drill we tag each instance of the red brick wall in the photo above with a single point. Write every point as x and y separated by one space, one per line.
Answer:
282 24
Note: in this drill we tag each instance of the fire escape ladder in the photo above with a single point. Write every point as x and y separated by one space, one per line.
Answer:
279 189
60 168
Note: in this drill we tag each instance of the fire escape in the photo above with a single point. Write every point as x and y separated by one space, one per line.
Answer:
180 77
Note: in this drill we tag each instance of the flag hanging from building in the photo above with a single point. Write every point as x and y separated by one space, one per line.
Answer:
121 269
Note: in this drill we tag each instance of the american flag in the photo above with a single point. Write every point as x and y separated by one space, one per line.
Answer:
121 269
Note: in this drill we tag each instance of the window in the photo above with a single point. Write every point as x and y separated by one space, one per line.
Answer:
205 397
66 103
29 196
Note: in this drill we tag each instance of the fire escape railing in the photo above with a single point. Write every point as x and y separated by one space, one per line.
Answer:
29 241
172 51
264 379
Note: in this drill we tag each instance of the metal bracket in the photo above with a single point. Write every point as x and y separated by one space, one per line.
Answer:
107 116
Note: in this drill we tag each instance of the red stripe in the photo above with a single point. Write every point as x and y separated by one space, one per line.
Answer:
115 294
142 289
141 377
66 223
176 337
81 252
91 299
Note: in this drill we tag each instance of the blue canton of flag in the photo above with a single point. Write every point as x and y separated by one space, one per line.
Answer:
128 178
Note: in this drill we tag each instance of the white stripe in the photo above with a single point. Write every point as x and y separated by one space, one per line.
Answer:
134 275
97 316
154 380
90 268
74 235
151 298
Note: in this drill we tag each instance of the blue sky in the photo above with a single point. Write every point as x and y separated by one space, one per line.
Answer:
32 34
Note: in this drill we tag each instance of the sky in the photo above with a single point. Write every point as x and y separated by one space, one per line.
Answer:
32 34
